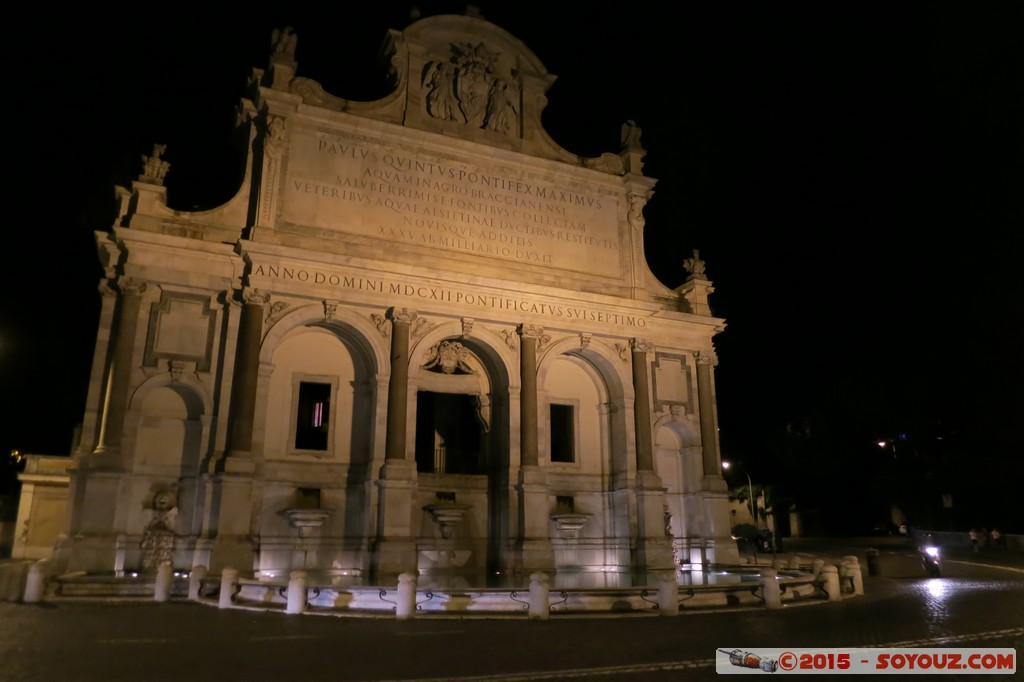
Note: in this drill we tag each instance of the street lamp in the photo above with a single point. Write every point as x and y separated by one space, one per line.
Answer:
750 488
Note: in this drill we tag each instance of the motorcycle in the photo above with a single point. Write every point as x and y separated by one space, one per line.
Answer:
931 560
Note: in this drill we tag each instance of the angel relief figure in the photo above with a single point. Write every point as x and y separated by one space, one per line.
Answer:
441 100
501 108
449 357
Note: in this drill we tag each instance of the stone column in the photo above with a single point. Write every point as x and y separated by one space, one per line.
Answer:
534 542
708 417
642 406
395 549
528 336
398 385
654 545
232 485
246 373
92 422
120 375
714 493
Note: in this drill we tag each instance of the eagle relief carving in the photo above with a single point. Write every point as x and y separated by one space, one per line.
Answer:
468 89
448 357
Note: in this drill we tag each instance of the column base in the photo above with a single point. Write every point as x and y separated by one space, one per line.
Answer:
391 557
535 554
533 547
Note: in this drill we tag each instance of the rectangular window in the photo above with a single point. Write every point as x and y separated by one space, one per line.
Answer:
563 433
313 415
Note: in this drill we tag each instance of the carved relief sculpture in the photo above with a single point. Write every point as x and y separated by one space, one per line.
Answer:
449 357
275 132
467 89
635 213
158 536
276 311
382 323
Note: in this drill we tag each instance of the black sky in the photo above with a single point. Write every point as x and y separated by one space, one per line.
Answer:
851 173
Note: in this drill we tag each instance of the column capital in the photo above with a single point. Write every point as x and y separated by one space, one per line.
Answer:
131 286
107 288
401 315
638 345
251 296
530 331
706 357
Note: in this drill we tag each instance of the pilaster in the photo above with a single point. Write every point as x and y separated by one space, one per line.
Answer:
534 541
245 375
395 548
107 453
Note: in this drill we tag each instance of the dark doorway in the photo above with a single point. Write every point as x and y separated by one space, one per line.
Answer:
448 434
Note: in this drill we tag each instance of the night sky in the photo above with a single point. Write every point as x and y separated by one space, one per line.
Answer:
851 173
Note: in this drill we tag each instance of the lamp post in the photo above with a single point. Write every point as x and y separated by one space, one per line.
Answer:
750 489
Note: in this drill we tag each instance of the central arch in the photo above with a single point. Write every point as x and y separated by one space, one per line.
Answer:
459 393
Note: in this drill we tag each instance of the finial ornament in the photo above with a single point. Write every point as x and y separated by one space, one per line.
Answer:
154 168
283 42
695 266
631 137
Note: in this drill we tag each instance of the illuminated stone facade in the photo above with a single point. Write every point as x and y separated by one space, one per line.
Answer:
421 336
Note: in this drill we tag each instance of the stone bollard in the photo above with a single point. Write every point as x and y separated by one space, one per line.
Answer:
794 563
35 583
830 576
816 567
162 584
771 589
296 592
406 608
228 578
540 607
668 596
778 563
851 568
195 582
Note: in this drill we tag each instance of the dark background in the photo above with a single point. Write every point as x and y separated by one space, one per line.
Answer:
851 173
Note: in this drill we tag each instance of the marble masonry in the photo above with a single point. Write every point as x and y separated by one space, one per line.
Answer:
421 336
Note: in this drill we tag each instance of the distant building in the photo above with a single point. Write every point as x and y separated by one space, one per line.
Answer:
421 336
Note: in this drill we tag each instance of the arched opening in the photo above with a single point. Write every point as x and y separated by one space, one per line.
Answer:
462 456
318 413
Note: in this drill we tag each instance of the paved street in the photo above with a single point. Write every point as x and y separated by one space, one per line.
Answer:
975 604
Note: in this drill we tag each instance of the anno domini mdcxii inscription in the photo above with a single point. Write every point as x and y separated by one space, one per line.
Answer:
362 186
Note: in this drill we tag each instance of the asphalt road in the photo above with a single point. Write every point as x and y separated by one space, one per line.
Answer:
974 604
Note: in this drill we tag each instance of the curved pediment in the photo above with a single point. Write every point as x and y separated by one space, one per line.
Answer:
463 77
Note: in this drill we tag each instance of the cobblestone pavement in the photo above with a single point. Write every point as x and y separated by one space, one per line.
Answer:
977 603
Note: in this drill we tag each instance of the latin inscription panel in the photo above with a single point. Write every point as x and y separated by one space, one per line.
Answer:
360 186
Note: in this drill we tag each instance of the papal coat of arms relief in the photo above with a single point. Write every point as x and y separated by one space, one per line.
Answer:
468 89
